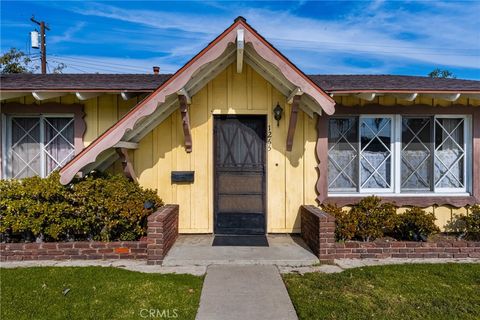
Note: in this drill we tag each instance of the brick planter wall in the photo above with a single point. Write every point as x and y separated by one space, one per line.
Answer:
318 232
162 233
73 250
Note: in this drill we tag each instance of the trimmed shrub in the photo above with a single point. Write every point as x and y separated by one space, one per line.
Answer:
98 207
414 224
375 219
466 226
366 221
345 223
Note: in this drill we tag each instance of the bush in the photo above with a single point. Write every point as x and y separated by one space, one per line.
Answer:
375 219
345 223
467 226
371 219
415 224
367 220
97 207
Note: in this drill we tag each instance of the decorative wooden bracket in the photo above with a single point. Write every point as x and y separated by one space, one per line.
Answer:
41 95
127 95
406 96
183 100
126 145
452 97
240 49
369 96
295 98
126 163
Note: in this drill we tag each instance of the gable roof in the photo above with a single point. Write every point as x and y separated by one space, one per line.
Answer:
79 82
218 54
150 82
346 82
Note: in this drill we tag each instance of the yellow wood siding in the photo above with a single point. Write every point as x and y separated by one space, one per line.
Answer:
291 176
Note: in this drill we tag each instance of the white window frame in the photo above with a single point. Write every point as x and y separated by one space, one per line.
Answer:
392 153
467 152
7 139
396 142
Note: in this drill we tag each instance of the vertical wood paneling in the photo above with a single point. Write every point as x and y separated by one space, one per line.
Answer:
183 163
91 121
143 162
199 190
259 92
293 176
276 168
164 160
310 174
219 90
107 112
239 88
210 156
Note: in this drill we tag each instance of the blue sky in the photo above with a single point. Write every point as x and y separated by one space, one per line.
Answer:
321 37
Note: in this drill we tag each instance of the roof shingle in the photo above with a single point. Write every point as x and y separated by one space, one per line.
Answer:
149 82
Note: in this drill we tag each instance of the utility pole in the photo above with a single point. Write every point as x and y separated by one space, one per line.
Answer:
43 50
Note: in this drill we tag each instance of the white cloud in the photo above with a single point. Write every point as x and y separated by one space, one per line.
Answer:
69 33
447 34
187 22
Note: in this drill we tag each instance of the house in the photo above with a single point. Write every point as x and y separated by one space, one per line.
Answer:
240 137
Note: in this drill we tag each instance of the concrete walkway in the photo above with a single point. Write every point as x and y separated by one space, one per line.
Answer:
283 250
244 292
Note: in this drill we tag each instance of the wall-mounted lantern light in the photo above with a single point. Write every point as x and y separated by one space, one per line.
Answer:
277 113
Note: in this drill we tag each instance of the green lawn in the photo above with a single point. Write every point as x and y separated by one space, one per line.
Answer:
96 293
420 291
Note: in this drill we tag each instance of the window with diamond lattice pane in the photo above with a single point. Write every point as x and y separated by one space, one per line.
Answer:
25 151
417 154
449 153
58 147
38 145
343 154
375 153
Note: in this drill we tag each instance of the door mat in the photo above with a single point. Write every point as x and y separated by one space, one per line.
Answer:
240 241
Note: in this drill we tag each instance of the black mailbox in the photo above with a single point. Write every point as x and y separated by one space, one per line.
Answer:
183 176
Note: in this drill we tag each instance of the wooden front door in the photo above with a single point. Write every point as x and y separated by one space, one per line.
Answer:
239 174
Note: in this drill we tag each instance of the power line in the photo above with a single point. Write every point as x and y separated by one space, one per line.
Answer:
81 64
70 66
105 67
101 63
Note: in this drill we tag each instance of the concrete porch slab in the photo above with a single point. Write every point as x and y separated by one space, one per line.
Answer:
197 250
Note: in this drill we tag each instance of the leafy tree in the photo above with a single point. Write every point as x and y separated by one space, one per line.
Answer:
439 73
15 61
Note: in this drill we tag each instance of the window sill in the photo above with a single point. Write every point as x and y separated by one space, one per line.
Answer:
420 200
